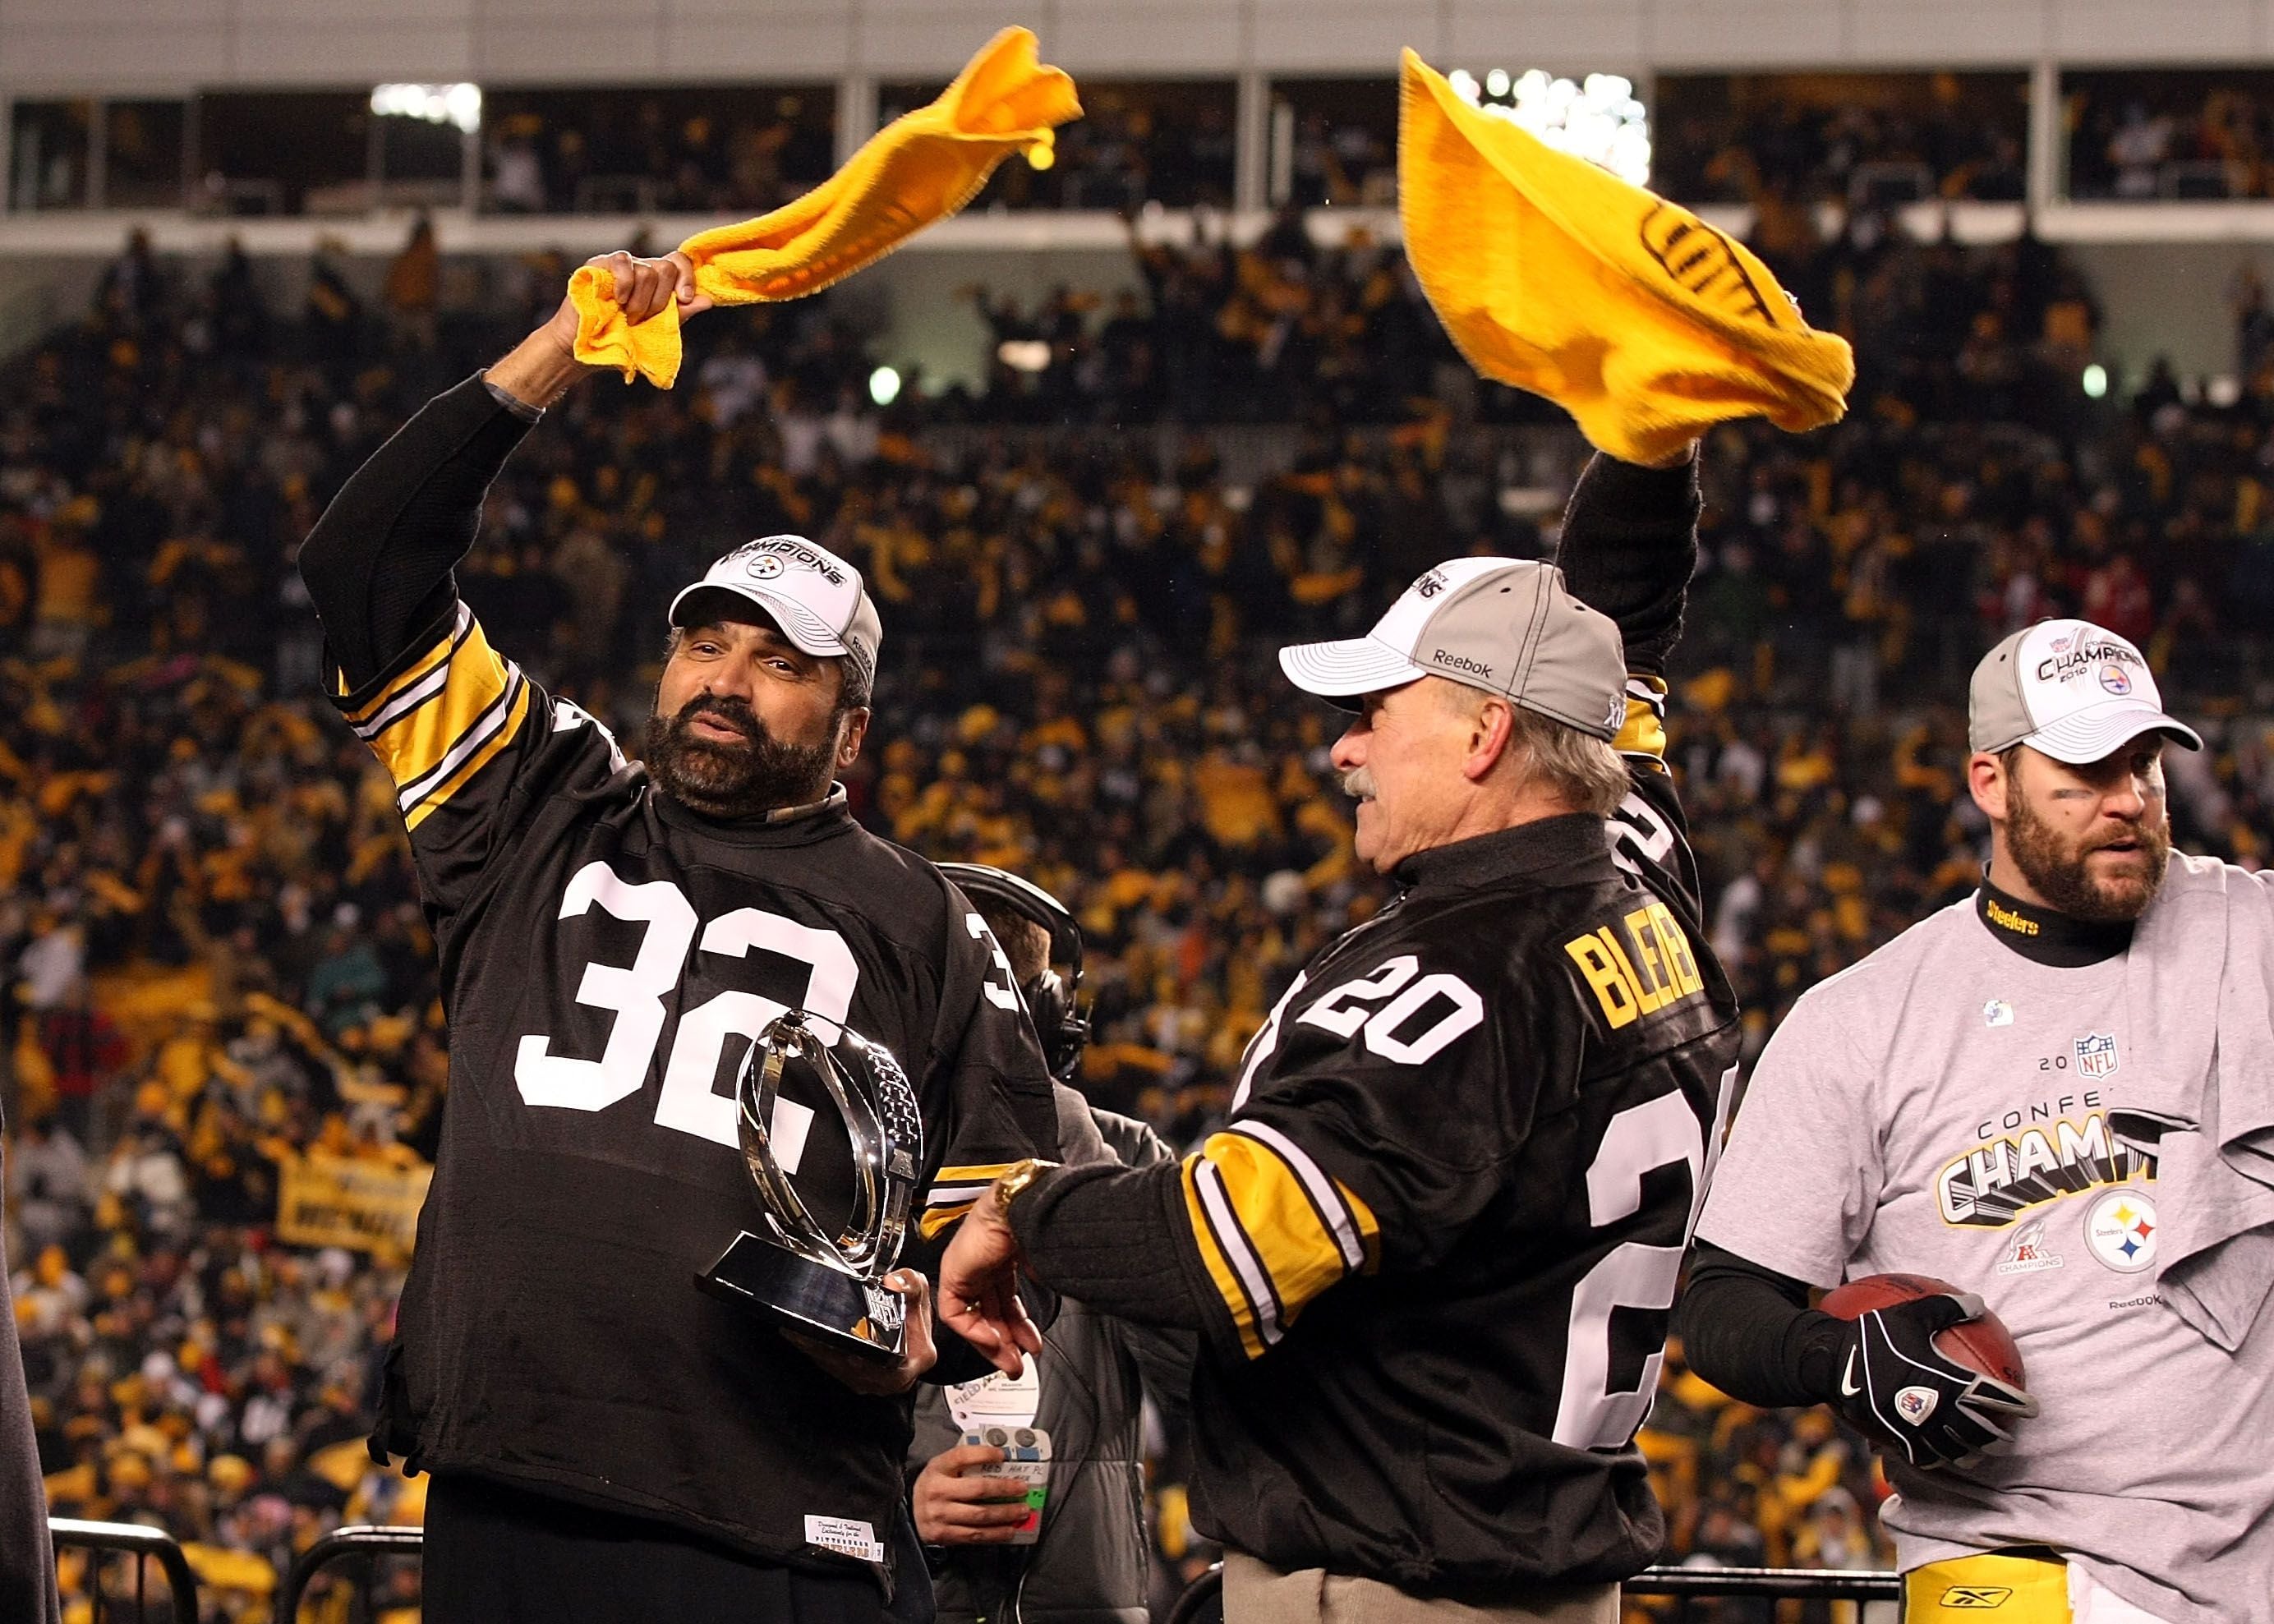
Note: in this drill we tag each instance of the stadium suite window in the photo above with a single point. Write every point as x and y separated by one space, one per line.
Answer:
50 153
59 162
1870 139
142 153
2169 135
298 152
677 148
1333 141
1165 141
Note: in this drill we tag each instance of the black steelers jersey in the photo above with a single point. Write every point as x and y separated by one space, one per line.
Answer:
1485 1118
606 959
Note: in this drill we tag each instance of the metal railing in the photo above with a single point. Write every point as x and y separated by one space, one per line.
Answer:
1202 1598
1680 1583
366 1541
145 1545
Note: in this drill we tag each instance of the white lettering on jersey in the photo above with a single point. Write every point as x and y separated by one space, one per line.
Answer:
687 1103
1654 1134
1007 995
566 713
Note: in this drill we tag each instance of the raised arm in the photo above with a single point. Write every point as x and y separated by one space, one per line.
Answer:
1629 548
377 564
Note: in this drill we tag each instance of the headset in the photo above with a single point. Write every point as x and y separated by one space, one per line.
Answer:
1053 1002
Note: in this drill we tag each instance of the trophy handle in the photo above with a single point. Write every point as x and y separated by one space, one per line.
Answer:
884 1163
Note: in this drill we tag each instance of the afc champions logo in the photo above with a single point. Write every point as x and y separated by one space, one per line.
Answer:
2119 1230
2113 679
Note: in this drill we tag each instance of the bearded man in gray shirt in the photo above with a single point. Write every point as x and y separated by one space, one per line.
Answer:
1981 1101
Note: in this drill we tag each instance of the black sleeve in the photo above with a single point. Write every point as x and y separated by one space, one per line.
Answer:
378 563
1629 547
27 1565
1750 1331
1113 1237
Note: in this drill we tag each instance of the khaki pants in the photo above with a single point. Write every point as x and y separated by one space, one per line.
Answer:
1255 1593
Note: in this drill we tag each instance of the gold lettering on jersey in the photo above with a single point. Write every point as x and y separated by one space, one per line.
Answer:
2007 920
1620 1000
1990 1187
1661 969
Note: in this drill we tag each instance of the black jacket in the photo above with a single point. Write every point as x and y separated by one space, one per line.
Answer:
1092 1563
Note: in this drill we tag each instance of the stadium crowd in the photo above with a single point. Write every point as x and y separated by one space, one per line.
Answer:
1826 139
216 972
2135 136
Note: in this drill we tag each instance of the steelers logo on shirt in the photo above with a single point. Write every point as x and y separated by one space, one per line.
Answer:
2119 1230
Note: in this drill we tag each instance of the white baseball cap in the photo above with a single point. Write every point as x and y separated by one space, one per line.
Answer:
1507 625
2069 689
816 600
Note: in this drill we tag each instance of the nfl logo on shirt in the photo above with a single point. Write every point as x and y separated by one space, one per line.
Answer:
2095 1055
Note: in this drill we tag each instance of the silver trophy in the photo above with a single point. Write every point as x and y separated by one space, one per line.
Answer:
797 1272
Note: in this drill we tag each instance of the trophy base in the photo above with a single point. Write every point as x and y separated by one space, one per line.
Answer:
802 1295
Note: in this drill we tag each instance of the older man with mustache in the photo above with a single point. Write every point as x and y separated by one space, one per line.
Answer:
2054 1095
1431 1254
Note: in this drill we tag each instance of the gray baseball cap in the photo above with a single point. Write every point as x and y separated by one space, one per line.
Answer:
1507 625
2069 689
816 599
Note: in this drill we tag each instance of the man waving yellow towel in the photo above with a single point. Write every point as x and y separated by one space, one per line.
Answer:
1644 323
918 169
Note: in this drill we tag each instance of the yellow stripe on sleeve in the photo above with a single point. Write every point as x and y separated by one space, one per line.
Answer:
1643 731
1274 1230
408 677
938 1218
953 1189
979 1173
516 713
1215 1259
425 744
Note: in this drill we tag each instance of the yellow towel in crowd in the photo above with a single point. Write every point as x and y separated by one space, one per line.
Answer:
919 168
1637 317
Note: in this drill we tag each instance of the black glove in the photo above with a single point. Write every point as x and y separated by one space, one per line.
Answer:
1893 1384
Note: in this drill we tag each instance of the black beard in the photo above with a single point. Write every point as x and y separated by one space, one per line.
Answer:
761 775
2059 875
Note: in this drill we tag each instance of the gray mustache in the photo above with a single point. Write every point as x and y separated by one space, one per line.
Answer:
1357 783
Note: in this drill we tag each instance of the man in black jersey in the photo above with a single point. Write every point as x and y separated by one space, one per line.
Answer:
606 1441
1432 1253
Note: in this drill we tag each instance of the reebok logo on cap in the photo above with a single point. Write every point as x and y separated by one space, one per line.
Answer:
1507 625
2069 689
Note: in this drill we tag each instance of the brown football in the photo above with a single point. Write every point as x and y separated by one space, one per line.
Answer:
1984 1344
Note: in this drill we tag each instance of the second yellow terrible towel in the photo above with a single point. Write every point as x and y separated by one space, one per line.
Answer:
1644 323
921 168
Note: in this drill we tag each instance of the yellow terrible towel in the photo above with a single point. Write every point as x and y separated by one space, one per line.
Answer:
921 168
1637 317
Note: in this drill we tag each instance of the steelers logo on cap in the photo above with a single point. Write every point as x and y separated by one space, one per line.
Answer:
2113 679
2120 1230
765 566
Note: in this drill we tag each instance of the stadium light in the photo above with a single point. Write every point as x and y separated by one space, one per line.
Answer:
1024 355
884 386
435 104
1598 119
2096 380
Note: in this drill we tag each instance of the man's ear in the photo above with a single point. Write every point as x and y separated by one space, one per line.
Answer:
850 737
1991 781
1492 726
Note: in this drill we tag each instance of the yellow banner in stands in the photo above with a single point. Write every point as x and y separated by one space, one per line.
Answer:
338 1201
